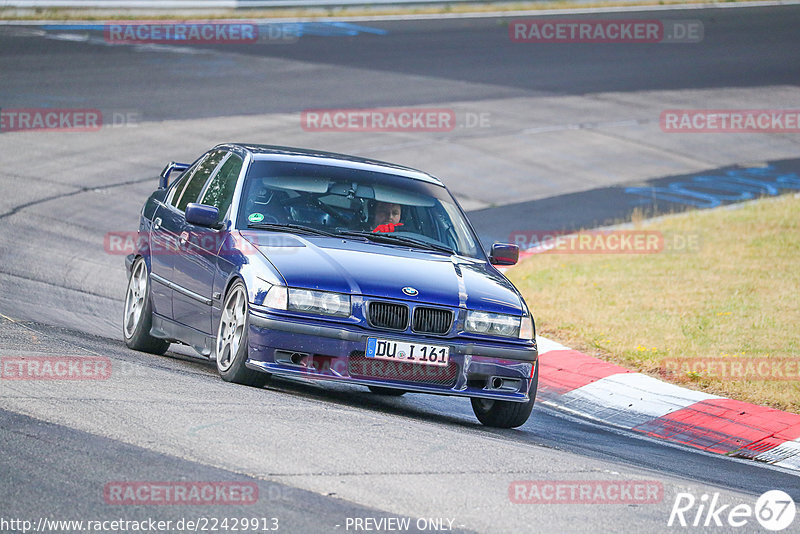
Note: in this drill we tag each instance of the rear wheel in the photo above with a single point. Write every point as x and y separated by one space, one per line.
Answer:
506 414
138 318
389 392
231 344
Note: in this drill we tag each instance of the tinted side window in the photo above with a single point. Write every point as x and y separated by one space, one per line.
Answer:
179 183
219 192
189 190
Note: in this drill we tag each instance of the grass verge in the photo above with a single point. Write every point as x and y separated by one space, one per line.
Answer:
725 287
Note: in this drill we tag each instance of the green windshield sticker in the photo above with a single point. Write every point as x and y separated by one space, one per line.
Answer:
255 217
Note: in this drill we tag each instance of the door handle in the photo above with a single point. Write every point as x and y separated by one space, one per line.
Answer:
156 223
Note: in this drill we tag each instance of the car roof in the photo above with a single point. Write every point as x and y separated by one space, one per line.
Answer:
319 157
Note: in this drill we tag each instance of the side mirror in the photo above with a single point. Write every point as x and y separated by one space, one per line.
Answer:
504 254
173 166
202 215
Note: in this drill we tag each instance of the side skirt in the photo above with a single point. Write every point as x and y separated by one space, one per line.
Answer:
167 329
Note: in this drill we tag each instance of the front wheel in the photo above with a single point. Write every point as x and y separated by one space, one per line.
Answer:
231 344
138 318
506 414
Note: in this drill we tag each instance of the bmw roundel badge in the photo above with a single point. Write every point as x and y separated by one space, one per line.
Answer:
410 291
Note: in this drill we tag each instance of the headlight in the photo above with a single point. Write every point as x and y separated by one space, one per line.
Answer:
320 302
495 324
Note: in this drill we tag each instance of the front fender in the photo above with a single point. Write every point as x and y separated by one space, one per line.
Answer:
237 259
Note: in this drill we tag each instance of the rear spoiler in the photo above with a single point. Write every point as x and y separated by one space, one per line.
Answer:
172 166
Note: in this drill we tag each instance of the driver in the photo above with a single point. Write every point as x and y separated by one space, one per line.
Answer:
386 216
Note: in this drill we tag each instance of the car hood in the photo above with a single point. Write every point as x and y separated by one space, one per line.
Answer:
378 270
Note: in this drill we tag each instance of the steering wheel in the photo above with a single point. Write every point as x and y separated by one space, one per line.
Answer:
314 201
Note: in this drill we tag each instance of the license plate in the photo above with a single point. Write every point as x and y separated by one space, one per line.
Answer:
386 349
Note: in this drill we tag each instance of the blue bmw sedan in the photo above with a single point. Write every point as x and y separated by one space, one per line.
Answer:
298 263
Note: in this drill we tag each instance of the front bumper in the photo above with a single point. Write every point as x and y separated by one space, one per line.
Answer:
322 351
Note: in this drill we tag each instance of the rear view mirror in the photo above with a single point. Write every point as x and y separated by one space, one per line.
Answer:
504 254
172 166
202 215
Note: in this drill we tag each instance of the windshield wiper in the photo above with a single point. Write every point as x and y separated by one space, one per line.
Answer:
378 237
291 228
398 240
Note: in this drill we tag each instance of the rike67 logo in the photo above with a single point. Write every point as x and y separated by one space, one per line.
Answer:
775 510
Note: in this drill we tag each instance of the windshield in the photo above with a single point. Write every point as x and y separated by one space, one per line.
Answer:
351 202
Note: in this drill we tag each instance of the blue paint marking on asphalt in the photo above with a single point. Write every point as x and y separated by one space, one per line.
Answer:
327 29
707 191
74 27
298 29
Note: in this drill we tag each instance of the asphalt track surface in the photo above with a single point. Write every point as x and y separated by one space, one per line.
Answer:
320 454
451 60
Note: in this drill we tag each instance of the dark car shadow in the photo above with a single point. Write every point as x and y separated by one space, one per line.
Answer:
424 407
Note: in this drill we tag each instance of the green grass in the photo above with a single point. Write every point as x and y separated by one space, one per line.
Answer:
736 295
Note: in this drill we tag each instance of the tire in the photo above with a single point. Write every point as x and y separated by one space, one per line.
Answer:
231 342
506 414
389 392
137 318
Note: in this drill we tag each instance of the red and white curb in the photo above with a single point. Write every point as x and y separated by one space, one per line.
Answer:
605 392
